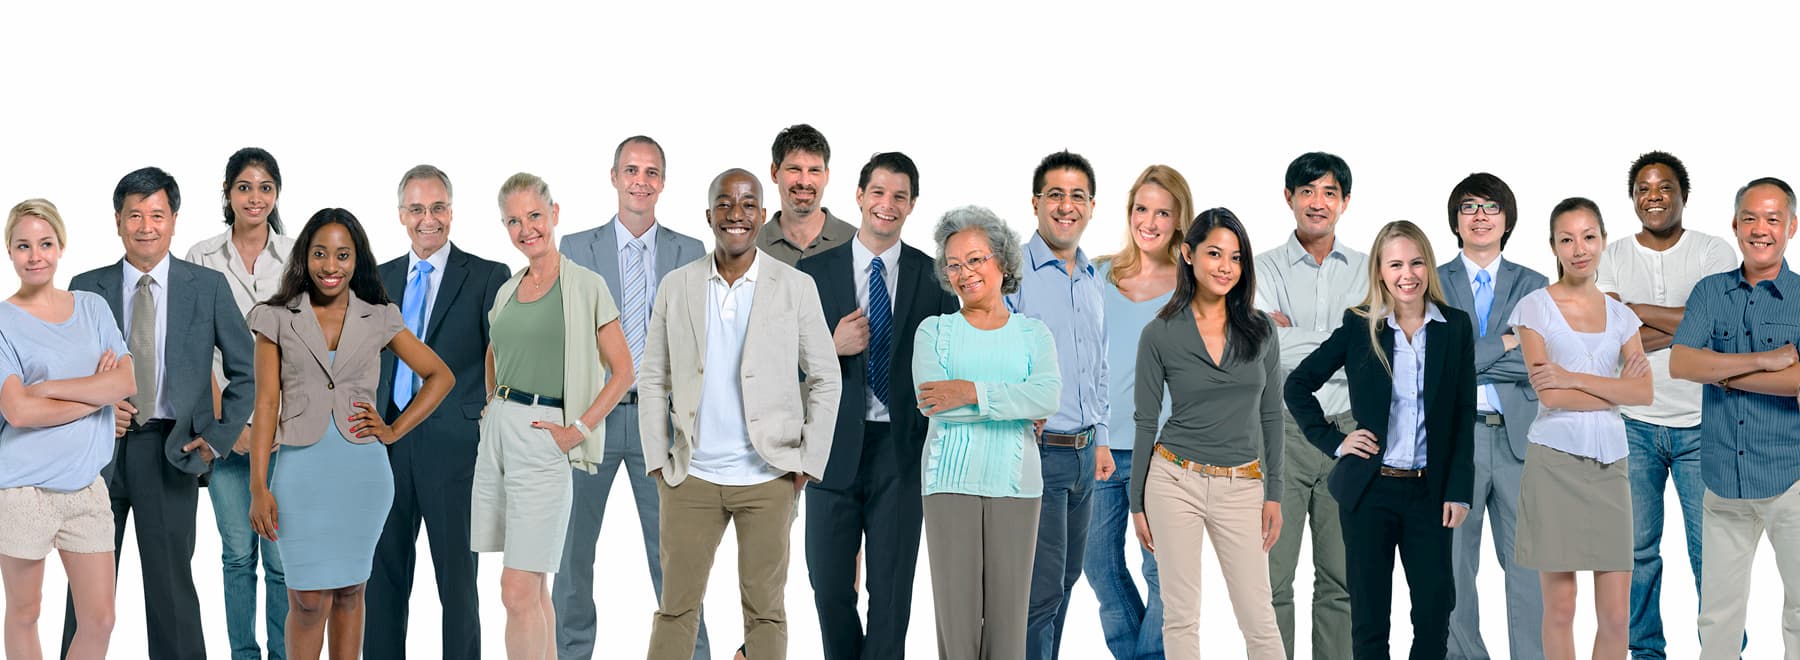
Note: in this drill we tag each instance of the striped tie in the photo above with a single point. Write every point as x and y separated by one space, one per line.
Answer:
637 301
881 330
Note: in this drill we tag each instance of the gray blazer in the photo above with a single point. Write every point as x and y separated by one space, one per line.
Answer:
202 316
597 250
1495 365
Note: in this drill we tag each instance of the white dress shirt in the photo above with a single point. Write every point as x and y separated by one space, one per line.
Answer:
159 291
890 263
723 454
247 288
432 282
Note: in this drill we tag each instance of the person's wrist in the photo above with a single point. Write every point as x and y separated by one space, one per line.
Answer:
582 427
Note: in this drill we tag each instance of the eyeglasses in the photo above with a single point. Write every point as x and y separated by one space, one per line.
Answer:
418 211
1486 208
971 264
1077 197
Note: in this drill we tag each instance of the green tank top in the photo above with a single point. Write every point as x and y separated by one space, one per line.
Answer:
528 344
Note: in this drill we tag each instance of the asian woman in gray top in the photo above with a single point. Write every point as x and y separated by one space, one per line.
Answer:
1212 469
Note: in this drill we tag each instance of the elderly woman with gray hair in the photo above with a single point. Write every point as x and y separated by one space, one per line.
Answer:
983 375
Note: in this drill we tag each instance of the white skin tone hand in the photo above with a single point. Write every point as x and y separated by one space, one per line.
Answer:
1454 514
1360 442
1281 320
1271 524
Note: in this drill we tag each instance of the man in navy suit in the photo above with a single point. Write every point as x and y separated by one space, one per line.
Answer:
443 294
874 290
173 314
633 253
1478 281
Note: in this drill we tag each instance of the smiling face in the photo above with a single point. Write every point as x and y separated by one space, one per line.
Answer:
638 177
530 223
1481 229
1763 226
1061 222
330 260
1153 219
252 196
35 250
1578 240
973 268
425 212
801 176
1316 207
1217 262
147 225
1404 271
1656 196
885 202
736 213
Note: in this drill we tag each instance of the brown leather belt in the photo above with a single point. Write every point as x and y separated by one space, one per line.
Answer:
1402 474
1251 470
1077 440
1490 419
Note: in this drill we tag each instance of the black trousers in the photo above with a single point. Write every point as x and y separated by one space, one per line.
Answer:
1398 514
883 514
165 499
434 471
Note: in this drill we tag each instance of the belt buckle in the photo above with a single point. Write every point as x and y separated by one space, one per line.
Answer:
503 392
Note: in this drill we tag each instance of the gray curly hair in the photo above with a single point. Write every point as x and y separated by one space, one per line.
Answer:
1007 249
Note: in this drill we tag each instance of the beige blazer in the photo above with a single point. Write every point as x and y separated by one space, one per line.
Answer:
790 419
315 388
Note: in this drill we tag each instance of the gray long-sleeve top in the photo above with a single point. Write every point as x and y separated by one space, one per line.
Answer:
1219 414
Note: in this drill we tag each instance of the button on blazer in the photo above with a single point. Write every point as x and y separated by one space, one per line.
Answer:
315 389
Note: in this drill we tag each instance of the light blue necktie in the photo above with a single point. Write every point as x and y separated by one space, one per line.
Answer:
1484 305
881 331
636 312
412 311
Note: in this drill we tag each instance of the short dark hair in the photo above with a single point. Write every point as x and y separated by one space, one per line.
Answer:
892 161
1737 204
1573 204
1062 160
1312 165
147 182
1664 159
243 159
1491 188
802 137
639 139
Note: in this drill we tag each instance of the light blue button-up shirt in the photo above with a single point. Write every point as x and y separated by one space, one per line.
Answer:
1072 307
1406 408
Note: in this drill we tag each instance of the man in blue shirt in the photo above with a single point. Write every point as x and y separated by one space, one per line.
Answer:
1059 288
1737 338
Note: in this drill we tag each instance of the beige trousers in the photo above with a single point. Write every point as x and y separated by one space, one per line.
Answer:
1728 542
1183 507
693 517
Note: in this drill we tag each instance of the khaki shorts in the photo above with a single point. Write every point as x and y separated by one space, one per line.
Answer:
34 520
523 489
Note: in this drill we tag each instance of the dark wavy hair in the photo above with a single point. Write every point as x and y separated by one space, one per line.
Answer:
1247 327
364 282
244 158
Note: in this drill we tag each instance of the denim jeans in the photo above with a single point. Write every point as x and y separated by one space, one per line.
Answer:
230 493
1068 502
1132 625
1657 454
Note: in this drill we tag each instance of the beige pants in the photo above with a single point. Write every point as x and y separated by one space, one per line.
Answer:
1183 507
1728 542
692 517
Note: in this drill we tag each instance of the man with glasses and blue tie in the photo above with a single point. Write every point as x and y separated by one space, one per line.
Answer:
633 253
444 294
1482 213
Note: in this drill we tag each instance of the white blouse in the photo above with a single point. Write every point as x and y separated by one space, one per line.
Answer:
1596 434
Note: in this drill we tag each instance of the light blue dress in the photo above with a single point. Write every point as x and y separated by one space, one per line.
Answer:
332 500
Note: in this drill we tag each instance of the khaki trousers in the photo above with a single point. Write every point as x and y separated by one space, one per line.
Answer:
981 551
692 519
1183 507
1727 547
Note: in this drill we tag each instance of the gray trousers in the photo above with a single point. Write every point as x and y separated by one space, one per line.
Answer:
573 592
981 551
1304 496
1497 476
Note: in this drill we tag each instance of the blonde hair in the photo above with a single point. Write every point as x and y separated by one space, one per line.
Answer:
42 208
1129 261
525 182
1379 303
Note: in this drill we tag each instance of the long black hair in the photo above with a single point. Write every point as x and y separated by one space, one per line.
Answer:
243 159
1248 328
364 282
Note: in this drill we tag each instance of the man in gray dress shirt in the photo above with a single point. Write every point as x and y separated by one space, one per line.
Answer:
633 253
1305 285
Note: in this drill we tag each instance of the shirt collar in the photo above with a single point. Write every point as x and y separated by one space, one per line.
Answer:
1041 256
231 251
159 273
624 236
437 260
824 229
1785 279
1493 269
1432 314
712 266
863 257
1297 252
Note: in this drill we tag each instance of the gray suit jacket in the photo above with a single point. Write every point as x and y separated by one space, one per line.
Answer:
202 316
1495 365
597 250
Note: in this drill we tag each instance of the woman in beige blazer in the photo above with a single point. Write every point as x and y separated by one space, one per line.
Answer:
318 350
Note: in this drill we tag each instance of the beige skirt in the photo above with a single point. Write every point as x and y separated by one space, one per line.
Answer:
1574 513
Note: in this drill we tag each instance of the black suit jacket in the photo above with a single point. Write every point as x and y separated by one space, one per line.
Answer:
202 316
1449 403
458 332
918 296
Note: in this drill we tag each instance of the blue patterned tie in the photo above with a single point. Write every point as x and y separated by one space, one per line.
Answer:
412 311
636 312
1484 305
881 330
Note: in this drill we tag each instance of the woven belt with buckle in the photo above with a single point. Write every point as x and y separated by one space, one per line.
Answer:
1077 440
1251 470
1490 419
527 398
1403 474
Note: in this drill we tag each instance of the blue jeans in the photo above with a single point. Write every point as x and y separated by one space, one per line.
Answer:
1132 625
1062 540
1657 454
230 492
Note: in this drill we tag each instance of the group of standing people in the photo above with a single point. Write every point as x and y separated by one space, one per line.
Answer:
333 405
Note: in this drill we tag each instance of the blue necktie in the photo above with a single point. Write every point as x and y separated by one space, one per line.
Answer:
1484 305
880 332
412 311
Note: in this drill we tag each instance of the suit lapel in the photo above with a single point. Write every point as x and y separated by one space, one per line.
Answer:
109 289
606 253
305 325
1457 289
1509 277
912 276
700 296
356 331
455 272
181 307
668 254
1436 342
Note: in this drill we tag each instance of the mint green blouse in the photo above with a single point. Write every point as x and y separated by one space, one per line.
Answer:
987 449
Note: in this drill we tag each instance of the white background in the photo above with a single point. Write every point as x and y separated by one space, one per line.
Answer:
1557 101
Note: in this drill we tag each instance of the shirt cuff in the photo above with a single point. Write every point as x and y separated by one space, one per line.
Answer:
1464 505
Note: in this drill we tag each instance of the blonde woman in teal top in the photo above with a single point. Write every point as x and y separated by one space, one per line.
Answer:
984 376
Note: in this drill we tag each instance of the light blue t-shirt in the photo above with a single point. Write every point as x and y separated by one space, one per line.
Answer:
1125 321
66 457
